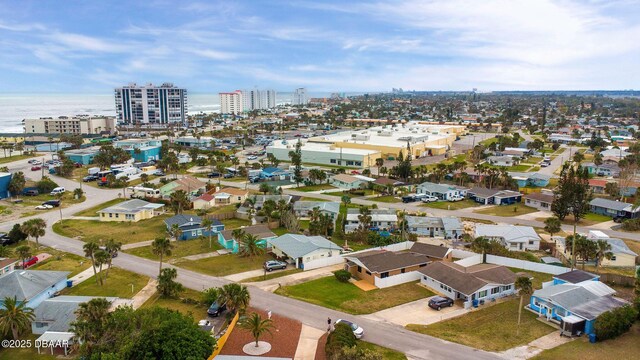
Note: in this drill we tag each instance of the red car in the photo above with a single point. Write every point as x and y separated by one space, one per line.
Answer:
36 168
30 262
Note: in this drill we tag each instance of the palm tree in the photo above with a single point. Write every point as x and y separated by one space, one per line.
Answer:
90 249
603 251
379 163
525 288
175 231
5 251
249 246
34 228
160 247
89 314
24 253
235 296
15 317
101 257
111 247
207 223
256 325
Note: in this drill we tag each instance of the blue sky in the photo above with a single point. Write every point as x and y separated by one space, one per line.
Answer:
93 46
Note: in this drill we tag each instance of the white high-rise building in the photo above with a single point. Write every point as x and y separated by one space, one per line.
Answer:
151 105
300 97
258 99
231 102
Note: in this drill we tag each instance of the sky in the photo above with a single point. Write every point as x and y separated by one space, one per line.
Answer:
210 46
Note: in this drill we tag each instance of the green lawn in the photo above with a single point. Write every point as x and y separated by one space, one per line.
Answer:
234 223
306 198
538 277
492 328
280 231
331 293
31 202
118 284
93 211
224 264
627 346
273 275
124 232
589 219
522 167
198 310
61 261
386 199
315 187
451 205
30 352
508 210
387 354
180 248
5 160
222 209
340 193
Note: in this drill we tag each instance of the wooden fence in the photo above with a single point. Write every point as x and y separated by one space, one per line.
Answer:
617 279
222 216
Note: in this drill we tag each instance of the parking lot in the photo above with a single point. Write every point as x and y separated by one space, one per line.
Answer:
417 312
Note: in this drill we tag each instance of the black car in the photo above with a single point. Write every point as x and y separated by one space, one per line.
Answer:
216 309
438 302
103 183
213 175
54 203
408 199
89 178
228 176
30 192
619 219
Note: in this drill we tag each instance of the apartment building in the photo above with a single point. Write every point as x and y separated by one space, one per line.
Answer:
231 102
75 125
300 97
151 105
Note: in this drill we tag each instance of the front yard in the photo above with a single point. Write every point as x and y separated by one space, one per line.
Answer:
118 284
180 248
451 205
385 199
124 232
62 261
589 219
93 211
223 265
508 210
492 328
234 223
626 346
331 293
183 304
316 187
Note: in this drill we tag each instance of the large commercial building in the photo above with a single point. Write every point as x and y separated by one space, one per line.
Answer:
300 97
76 125
362 147
258 99
141 149
231 102
151 105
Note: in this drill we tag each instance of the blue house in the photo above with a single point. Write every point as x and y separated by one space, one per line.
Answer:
82 156
530 179
575 298
614 208
191 226
274 173
261 232
31 286
5 179
142 150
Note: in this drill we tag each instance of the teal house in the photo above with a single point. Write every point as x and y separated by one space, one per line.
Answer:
228 241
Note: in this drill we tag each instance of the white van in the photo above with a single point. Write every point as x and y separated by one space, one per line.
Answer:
58 190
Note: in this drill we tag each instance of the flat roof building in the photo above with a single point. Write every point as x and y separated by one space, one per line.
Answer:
75 125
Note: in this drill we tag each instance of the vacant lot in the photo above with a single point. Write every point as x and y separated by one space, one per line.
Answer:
316 187
508 210
493 328
180 248
451 205
118 284
331 293
62 261
626 346
223 265
93 211
124 232
234 223
183 304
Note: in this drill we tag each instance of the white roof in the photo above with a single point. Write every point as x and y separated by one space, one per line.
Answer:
510 233
597 287
56 337
595 234
319 147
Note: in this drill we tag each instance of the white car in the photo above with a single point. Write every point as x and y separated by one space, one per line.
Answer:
428 199
44 207
252 157
456 198
358 332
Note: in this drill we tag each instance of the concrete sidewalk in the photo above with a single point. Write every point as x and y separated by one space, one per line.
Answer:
138 244
143 295
272 284
82 276
536 346
308 343
244 275
206 255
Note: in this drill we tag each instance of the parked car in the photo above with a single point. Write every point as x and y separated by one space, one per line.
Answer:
216 309
54 203
213 175
30 192
271 265
228 176
30 262
58 190
89 178
44 207
36 168
544 164
619 219
252 157
408 198
159 173
429 198
456 198
438 302
358 332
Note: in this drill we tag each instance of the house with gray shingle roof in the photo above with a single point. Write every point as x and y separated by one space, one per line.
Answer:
306 252
614 208
513 237
192 227
441 191
447 227
131 210
304 208
31 286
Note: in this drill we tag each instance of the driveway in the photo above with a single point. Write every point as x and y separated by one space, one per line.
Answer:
416 312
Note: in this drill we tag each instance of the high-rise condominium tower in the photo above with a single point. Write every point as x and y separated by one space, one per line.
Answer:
300 97
151 105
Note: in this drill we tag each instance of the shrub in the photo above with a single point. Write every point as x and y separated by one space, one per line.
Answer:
342 336
615 322
46 185
631 225
342 275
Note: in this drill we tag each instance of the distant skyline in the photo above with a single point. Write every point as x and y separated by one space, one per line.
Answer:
206 47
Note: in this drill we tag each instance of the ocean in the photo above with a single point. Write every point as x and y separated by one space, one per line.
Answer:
15 108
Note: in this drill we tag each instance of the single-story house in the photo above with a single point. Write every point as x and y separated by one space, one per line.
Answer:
306 252
614 153
7 265
502 160
622 255
229 195
541 201
447 227
385 181
274 173
303 209
132 210
530 179
614 208
574 277
349 182
259 200
380 219
481 282
603 169
31 286
260 231
441 191
191 226
82 156
486 196
514 151
578 303
204 201
188 184
598 186
513 237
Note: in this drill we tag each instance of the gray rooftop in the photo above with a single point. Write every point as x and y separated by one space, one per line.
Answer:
26 284
610 204
588 299
296 246
510 233
131 207
437 188
328 206
60 311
